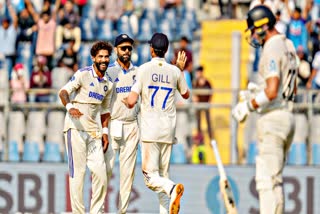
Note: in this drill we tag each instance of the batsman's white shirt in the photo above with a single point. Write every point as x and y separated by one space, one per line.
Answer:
275 61
157 83
91 95
121 90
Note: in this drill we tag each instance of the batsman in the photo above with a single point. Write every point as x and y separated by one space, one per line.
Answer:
275 126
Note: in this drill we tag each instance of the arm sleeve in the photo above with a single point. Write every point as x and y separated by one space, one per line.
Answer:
106 103
74 83
272 64
137 86
182 84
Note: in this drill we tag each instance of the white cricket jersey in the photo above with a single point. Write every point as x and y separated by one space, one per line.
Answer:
157 83
275 61
90 94
122 83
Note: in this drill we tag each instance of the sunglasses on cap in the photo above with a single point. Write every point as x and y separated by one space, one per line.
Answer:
124 48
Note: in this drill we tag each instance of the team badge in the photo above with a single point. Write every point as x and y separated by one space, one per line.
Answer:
272 66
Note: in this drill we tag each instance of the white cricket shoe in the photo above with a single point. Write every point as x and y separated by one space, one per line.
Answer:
175 199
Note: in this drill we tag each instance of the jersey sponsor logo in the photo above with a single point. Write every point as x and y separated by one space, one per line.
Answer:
160 78
91 84
96 95
272 66
124 89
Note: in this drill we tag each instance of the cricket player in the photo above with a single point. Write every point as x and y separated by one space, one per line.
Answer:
275 126
124 130
157 82
91 92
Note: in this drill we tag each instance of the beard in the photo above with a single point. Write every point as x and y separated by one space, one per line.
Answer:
99 64
125 58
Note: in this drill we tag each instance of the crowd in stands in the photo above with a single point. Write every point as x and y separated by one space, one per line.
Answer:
43 42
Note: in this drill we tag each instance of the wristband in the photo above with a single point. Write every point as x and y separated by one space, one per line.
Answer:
105 130
69 106
261 98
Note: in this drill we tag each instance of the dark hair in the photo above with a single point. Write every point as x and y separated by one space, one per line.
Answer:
100 45
184 38
159 53
200 68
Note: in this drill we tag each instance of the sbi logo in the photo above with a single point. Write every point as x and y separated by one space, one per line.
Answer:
214 198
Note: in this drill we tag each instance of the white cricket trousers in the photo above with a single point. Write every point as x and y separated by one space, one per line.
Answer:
84 150
155 168
127 148
275 134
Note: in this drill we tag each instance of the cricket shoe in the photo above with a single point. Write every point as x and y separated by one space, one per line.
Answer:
176 194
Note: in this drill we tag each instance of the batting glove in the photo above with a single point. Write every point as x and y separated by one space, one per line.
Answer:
241 111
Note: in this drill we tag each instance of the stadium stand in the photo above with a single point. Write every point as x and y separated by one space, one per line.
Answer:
178 155
16 129
31 152
315 139
298 151
13 154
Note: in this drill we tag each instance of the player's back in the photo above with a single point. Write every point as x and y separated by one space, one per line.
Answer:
159 82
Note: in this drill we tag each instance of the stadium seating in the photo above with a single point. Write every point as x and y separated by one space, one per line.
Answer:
54 131
298 154
16 128
105 30
143 53
4 83
178 155
123 26
298 151
31 152
84 54
315 139
165 27
87 29
153 16
139 157
36 128
24 56
252 152
52 152
13 154
315 154
145 31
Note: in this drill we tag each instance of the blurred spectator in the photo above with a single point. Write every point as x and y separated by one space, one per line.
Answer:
27 26
60 75
198 150
19 84
69 57
183 46
68 12
8 38
297 31
41 78
110 9
67 31
280 25
303 74
304 68
202 83
268 3
80 4
314 38
46 27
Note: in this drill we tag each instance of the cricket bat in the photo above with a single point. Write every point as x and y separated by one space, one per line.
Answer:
225 187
